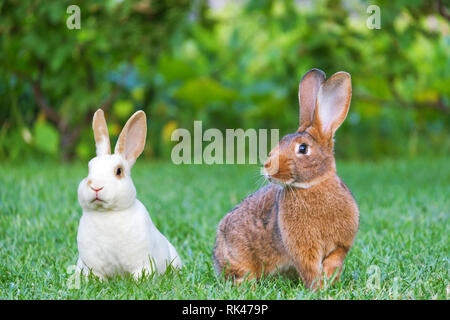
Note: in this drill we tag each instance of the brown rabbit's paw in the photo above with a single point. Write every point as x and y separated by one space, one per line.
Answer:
309 266
332 264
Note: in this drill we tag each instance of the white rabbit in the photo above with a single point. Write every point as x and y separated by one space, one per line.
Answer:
116 235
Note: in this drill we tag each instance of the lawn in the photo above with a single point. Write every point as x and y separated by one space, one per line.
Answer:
401 250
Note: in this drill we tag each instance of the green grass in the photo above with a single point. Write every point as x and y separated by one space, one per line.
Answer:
404 204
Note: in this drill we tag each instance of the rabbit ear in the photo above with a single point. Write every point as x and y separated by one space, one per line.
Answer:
101 134
132 138
307 93
333 102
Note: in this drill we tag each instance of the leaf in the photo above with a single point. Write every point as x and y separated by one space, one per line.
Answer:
123 108
201 91
83 150
46 137
138 94
167 130
174 69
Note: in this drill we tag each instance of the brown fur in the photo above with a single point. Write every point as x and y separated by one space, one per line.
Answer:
100 128
283 228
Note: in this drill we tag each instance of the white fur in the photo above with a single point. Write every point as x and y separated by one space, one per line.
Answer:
304 185
116 236
102 147
120 242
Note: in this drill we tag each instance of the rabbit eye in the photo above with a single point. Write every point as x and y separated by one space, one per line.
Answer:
119 171
303 148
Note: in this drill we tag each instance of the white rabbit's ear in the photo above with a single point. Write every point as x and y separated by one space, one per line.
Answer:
101 134
307 93
132 138
333 102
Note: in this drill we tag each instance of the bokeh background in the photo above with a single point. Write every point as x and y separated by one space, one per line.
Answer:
231 64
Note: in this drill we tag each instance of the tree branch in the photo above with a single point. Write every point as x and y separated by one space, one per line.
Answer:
69 135
49 111
442 10
438 106
105 106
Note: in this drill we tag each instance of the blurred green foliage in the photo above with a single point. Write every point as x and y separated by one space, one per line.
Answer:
232 66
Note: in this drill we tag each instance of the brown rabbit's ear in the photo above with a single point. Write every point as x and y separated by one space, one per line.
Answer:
333 102
307 93
101 135
132 138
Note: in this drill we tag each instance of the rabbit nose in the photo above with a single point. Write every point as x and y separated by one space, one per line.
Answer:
89 182
96 190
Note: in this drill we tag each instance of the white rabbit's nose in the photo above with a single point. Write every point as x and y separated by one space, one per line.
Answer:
93 187
96 189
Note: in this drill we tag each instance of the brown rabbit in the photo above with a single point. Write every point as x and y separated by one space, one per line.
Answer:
306 220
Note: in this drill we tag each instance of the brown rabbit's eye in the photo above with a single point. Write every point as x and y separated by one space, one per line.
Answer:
119 171
303 148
